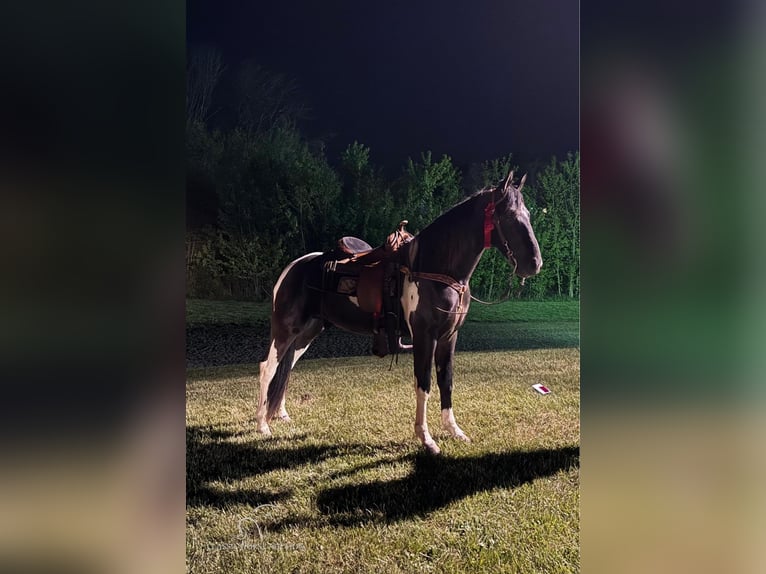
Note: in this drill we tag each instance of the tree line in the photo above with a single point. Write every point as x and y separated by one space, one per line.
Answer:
260 193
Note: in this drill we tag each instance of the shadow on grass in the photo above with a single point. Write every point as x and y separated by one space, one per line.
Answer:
438 481
212 456
433 483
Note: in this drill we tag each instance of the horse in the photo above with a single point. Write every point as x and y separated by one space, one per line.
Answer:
437 266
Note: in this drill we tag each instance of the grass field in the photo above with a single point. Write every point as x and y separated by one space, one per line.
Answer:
244 313
346 486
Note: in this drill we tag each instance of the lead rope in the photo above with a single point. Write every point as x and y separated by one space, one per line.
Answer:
509 294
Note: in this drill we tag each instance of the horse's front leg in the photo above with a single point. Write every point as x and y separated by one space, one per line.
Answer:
423 354
445 353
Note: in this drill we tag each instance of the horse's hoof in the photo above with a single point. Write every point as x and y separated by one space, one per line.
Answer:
456 432
264 430
432 448
285 418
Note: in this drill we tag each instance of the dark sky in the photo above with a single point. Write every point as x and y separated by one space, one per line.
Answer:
473 79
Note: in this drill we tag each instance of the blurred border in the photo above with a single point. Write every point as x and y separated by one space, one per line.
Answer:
92 295
672 314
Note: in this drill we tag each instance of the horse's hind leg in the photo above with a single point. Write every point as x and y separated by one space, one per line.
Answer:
302 342
268 369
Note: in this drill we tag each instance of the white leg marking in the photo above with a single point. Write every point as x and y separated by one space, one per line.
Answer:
421 424
283 416
267 370
449 424
287 270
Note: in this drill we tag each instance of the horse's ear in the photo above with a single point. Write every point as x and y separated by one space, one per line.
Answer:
521 183
508 183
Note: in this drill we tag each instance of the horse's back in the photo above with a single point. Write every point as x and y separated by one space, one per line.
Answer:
293 289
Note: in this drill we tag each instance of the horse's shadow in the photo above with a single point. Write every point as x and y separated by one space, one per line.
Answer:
436 482
433 483
211 456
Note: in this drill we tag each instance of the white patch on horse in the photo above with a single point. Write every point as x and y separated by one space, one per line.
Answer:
354 300
449 424
268 369
287 269
410 299
299 353
421 424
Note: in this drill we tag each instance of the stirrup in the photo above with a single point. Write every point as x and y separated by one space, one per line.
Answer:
398 346
404 346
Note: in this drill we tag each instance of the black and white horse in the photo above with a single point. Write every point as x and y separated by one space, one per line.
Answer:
438 264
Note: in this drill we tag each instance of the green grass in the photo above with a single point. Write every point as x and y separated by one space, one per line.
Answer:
525 311
243 313
347 488
476 336
199 311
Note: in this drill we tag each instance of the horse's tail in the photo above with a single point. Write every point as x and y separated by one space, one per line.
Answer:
278 385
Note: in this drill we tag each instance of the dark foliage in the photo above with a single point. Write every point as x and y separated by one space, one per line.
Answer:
260 194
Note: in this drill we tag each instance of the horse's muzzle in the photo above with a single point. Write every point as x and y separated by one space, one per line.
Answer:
534 268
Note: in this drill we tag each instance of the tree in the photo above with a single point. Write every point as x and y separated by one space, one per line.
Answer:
488 173
203 72
427 189
367 204
556 220
266 100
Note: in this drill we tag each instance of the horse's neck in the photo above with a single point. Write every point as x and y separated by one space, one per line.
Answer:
452 245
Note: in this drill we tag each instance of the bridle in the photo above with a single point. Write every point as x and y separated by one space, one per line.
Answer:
491 221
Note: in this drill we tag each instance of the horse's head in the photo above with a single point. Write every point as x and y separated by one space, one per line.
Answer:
512 227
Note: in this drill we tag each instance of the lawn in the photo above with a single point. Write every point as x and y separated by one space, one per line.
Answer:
346 487
199 311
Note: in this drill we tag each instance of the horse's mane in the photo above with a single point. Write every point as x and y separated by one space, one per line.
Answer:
447 218
474 195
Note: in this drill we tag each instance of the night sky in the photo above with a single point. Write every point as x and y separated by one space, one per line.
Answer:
475 80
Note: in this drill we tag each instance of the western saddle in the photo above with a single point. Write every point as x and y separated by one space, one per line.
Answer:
373 276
